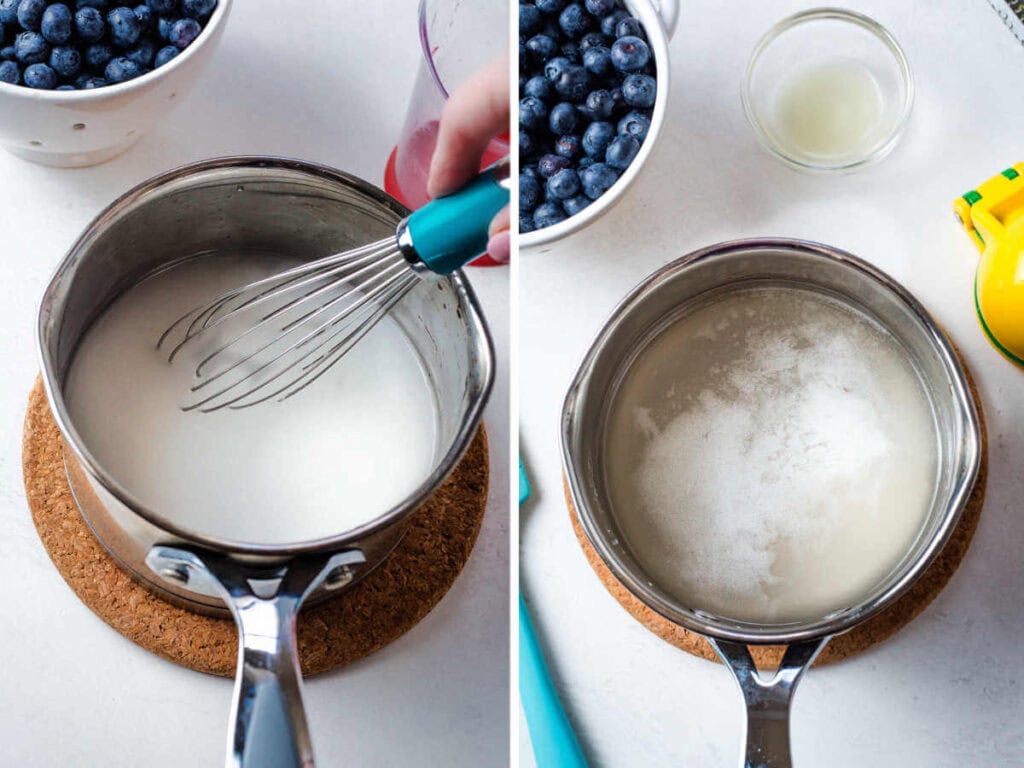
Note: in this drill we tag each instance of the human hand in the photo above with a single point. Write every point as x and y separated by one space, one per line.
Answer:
474 114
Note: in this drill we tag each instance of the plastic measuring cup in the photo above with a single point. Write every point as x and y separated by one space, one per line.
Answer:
458 38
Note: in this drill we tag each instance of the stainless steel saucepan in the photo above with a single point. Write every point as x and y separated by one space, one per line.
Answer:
643 315
297 209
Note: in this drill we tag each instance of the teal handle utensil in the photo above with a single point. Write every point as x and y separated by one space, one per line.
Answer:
554 743
449 232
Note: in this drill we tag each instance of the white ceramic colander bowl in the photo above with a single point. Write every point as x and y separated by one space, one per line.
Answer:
72 129
659 18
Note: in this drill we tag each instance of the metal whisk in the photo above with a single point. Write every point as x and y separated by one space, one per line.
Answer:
272 338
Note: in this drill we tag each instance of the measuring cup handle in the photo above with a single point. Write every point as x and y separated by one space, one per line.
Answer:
768 699
669 12
268 721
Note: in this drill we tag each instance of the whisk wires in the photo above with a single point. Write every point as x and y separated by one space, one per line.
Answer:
273 337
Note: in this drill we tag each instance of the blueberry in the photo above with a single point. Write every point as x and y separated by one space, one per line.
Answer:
621 151
556 67
639 90
526 222
574 20
571 51
630 54
531 171
573 84
596 179
532 112
570 147
611 21
550 6
9 11
40 76
530 194
548 214
629 28
529 19
145 16
88 82
597 137
538 86
124 27
635 124
600 7
541 47
10 73
549 165
620 102
65 60
585 162
164 55
184 31
197 9
163 28
162 6
31 48
563 119
121 69
527 145
8 53
98 55
600 104
563 185
90 25
598 60
30 14
56 24
591 40
575 204
142 53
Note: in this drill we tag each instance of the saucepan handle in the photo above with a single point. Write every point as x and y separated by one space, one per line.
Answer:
768 698
268 721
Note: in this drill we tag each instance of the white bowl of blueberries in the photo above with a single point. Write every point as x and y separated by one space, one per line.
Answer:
593 82
82 80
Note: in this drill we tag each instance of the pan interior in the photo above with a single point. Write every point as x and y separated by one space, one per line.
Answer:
770 455
334 456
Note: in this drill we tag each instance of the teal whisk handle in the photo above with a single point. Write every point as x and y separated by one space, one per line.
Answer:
554 743
449 232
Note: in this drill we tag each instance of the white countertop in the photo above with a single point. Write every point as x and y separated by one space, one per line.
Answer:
945 692
329 84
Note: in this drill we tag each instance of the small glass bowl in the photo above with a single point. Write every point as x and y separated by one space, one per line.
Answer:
838 78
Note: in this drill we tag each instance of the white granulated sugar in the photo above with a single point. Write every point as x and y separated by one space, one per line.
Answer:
771 456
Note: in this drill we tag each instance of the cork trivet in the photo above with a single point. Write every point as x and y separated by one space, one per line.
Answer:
363 619
881 626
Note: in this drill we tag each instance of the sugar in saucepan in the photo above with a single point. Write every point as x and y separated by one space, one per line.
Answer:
771 456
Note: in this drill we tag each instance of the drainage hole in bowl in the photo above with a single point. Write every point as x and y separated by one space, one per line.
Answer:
36 143
78 127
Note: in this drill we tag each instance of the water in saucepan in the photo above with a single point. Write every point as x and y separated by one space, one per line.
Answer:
771 456
335 456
